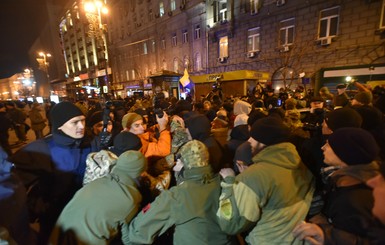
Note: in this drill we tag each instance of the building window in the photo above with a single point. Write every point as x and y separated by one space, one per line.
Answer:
145 51
153 46
150 15
255 5
223 47
253 40
176 64
163 42
197 32
382 21
220 10
185 36
173 40
132 74
198 62
328 22
172 5
286 32
161 9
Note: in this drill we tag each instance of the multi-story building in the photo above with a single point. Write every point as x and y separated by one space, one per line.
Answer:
243 43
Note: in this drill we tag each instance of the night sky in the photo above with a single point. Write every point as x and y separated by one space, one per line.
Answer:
20 24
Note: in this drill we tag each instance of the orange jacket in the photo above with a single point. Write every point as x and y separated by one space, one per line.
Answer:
153 147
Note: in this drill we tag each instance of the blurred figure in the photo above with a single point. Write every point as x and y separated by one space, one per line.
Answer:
17 117
5 125
341 99
37 120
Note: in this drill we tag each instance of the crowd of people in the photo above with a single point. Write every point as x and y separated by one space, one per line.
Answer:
283 168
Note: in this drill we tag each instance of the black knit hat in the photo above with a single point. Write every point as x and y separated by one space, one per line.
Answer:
62 112
270 131
342 118
95 118
354 145
244 153
125 141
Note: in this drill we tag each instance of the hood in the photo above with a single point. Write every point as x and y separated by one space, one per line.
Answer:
285 156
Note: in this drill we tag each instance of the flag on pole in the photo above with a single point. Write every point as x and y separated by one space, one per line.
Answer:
185 80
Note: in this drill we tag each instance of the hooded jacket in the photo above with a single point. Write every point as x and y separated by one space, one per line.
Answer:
190 206
269 198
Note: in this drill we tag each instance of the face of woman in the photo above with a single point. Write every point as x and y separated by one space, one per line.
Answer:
378 185
74 127
330 157
137 127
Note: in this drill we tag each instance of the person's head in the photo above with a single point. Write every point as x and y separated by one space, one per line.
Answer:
125 141
350 146
198 127
341 118
207 105
268 131
133 122
316 102
324 91
130 163
362 98
95 123
193 154
10 105
68 119
2 107
378 185
341 88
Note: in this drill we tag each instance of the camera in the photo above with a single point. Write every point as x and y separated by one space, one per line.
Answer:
158 112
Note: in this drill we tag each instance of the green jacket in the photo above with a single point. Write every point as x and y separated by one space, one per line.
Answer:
190 206
269 198
95 212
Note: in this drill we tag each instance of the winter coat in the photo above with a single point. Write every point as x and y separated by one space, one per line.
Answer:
95 212
37 120
269 198
151 146
190 206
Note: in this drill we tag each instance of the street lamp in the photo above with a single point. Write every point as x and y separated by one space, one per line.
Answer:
96 30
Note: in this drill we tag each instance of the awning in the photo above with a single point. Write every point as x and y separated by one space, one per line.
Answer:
232 76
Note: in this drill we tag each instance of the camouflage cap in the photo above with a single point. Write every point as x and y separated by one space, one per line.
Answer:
194 154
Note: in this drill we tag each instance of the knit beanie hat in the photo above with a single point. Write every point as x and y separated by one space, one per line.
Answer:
364 98
95 118
125 141
254 116
194 154
130 118
342 118
244 153
131 163
270 131
62 112
199 126
354 145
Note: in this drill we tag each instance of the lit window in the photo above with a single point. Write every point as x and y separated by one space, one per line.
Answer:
255 5
172 5
198 62
145 51
161 9
382 21
153 46
286 32
163 41
328 22
220 10
173 40
223 47
185 36
176 64
132 74
253 39
197 32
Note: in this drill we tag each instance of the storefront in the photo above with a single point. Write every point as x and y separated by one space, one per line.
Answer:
236 83
166 81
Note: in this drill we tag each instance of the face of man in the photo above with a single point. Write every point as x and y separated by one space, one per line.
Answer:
74 127
330 157
378 185
98 127
137 127
325 129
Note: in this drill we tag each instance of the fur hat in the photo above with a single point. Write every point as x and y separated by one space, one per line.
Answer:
130 118
131 163
194 154
270 131
62 112
125 141
364 98
354 145
342 118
